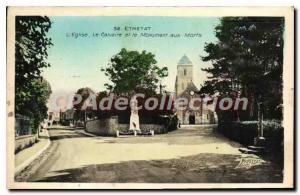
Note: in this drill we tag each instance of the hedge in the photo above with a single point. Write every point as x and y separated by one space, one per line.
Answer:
244 132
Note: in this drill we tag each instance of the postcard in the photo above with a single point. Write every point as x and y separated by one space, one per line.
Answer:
150 97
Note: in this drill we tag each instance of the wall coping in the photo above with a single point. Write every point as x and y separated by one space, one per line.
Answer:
24 136
101 118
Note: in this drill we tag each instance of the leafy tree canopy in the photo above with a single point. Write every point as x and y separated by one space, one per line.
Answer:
248 56
84 93
81 107
31 52
132 70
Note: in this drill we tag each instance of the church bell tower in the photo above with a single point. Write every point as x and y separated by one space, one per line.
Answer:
184 74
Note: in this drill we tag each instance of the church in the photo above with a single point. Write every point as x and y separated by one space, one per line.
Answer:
185 87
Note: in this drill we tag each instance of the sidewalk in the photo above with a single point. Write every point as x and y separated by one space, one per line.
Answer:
26 156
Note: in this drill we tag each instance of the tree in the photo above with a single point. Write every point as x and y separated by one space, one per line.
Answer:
39 96
31 52
84 94
248 56
36 108
132 70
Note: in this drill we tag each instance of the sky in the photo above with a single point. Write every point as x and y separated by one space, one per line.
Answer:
77 62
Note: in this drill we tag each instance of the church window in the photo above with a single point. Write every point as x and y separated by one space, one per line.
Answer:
184 72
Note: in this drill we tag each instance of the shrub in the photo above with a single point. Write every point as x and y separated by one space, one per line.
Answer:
172 123
244 132
65 122
273 131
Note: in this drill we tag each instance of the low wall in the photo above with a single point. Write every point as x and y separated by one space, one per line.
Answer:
109 127
158 129
24 141
104 127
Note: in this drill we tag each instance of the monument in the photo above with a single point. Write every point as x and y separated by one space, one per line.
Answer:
134 116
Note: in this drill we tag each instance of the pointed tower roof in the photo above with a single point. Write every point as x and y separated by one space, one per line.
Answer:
185 61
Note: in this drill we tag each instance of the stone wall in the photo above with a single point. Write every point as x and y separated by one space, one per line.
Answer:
109 126
158 129
22 142
104 127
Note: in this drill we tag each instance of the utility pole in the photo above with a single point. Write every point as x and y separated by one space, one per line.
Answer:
85 118
160 88
238 114
260 139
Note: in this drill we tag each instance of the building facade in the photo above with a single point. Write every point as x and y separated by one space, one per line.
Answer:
185 88
53 117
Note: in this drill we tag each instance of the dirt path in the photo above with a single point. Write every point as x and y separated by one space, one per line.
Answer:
191 154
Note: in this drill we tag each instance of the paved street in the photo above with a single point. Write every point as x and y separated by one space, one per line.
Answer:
191 154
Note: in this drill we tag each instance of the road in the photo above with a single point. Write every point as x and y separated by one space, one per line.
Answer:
192 154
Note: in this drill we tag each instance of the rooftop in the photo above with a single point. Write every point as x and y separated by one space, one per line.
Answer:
185 61
190 87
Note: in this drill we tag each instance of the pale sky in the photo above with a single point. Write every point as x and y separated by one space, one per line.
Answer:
76 62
